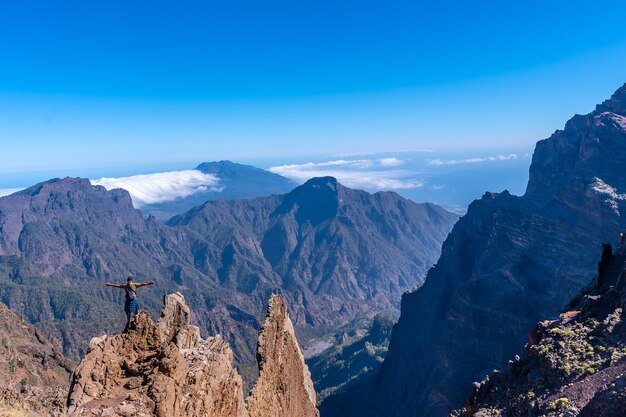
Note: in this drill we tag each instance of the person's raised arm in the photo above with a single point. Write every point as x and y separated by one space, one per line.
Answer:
145 284
108 284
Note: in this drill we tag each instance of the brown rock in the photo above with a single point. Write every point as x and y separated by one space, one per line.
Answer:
33 374
284 388
167 370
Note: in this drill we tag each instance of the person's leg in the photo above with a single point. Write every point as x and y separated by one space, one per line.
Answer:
129 313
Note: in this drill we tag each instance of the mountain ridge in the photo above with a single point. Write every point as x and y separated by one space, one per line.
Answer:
61 240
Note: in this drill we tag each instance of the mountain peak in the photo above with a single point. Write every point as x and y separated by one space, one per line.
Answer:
616 104
227 170
330 182
314 201
217 165
60 184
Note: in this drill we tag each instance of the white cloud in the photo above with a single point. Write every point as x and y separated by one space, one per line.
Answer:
438 162
390 162
361 173
162 186
9 191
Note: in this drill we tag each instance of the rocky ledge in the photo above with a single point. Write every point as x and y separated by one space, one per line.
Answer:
167 370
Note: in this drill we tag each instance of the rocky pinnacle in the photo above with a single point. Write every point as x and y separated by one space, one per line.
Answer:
167 370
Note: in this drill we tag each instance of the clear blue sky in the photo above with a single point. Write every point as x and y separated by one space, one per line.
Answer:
132 83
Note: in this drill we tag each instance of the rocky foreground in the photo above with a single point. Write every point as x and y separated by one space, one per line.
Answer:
166 369
574 366
162 369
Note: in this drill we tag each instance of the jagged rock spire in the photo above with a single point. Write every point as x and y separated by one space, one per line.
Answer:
167 370
284 388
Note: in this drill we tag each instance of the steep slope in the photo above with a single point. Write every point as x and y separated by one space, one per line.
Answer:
33 375
61 240
509 262
236 181
324 246
167 370
573 366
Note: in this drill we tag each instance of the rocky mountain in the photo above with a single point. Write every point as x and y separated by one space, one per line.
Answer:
34 376
167 370
235 182
508 263
326 247
334 253
573 366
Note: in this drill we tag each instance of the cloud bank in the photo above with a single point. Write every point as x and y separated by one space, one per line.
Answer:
373 174
162 186
439 162
9 191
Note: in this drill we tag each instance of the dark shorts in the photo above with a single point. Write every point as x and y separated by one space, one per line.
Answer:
131 307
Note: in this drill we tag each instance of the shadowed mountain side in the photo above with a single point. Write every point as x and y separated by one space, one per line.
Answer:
573 366
509 262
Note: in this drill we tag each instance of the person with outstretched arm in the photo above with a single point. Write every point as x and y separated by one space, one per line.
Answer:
131 306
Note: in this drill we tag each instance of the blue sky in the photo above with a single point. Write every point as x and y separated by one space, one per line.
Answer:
112 88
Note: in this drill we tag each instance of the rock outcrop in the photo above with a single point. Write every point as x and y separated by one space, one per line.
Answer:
508 263
574 366
284 387
167 370
33 374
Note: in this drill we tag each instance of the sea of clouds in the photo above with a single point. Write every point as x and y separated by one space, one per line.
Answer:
163 186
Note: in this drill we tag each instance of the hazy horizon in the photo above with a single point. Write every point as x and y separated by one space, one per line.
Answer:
117 89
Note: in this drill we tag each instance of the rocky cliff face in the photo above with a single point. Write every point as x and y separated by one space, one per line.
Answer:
33 375
61 240
167 370
508 263
572 366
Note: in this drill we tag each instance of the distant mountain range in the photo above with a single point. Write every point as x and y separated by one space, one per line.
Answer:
336 254
235 181
508 263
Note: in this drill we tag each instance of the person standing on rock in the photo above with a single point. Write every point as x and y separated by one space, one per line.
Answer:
131 306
